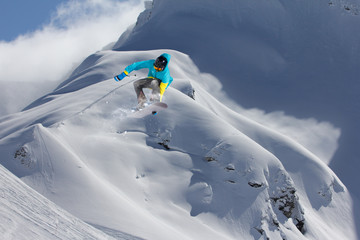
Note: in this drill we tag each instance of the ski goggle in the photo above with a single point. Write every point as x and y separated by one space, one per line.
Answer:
158 69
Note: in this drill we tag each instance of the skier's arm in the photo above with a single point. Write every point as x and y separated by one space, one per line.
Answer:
139 65
165 83
132 67
162 89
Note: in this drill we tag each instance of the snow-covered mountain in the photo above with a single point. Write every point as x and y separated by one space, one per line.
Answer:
289 56
197 170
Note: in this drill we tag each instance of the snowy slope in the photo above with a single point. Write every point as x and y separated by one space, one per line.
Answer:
197 170
298 58
25 214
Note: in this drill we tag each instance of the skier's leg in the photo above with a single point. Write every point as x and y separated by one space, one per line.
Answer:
155 86
139 85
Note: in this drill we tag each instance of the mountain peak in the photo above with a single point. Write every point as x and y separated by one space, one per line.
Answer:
214 171
204 168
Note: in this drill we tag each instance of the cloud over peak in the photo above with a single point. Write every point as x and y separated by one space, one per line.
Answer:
77 29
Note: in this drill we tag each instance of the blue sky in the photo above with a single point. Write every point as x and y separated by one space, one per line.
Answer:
23 16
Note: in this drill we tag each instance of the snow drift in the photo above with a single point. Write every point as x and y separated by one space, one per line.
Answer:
197 170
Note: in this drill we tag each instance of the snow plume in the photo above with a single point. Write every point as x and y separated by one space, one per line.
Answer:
36 62
321 138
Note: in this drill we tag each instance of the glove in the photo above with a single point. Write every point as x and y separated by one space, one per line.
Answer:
121 76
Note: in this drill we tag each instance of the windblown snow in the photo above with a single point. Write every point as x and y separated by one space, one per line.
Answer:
200 169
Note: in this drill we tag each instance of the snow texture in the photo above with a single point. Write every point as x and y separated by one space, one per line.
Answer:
276 61
203 168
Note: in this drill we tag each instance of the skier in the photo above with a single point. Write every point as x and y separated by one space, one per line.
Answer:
158 79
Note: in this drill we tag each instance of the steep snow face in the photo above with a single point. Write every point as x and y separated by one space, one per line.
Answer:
197 170
25 214
295 57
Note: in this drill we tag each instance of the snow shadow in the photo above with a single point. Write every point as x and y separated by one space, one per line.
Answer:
115 233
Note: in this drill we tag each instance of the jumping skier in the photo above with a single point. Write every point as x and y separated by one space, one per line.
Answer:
158 79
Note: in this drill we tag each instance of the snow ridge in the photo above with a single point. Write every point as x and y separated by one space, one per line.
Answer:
289 57
198 170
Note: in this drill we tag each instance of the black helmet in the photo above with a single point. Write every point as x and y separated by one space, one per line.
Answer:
160 63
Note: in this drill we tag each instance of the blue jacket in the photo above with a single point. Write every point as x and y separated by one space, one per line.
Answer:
164 75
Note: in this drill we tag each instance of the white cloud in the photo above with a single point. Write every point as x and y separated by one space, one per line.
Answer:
77 29
321 138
